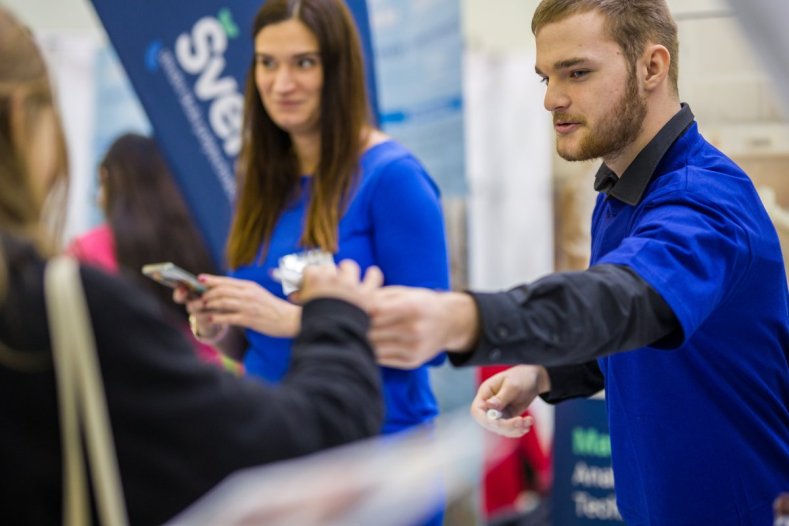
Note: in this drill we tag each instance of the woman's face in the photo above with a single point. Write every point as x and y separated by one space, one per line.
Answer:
289 76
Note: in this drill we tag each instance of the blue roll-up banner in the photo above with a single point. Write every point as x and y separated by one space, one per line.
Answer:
188 60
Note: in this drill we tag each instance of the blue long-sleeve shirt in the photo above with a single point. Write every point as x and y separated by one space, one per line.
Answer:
394 221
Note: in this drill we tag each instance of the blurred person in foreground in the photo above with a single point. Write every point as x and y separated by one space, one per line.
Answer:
180 426
683 315
147 221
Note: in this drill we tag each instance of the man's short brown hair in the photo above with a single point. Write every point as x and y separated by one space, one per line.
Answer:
630 23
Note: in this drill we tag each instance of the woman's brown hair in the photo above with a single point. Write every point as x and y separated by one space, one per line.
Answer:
25 98
148 218
268 167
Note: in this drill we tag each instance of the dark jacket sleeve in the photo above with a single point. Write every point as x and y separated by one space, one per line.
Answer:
186 425
574 381
571 318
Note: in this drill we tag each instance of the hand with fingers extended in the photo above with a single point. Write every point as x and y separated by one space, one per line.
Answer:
341 282
508 394
411 325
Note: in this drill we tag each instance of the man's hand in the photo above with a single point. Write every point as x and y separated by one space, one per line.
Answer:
340 282
510 393
410 325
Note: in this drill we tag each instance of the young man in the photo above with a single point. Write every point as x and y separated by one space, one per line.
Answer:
683 315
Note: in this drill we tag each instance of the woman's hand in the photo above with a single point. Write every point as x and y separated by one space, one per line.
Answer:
199 317
243 303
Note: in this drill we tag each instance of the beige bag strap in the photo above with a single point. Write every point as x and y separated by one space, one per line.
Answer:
82 401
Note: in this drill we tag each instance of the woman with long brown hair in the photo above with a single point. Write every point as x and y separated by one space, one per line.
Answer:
315 173
177 423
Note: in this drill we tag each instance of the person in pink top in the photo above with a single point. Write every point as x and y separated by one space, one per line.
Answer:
96 247
146 222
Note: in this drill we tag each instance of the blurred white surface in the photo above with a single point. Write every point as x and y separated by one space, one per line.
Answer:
386 481
764 22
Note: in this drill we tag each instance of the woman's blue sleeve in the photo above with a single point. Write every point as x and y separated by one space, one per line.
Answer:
409 238
408 227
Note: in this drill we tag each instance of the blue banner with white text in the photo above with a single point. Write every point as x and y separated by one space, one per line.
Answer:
188 60
583 479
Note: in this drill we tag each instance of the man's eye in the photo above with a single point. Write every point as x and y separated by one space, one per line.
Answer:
544 80
578 74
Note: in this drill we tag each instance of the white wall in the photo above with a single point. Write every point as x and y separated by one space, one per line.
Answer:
498 25
57 15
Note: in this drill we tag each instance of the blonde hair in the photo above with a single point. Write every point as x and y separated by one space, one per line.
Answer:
25 97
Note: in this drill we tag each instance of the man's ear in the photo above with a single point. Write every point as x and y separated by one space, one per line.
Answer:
656 62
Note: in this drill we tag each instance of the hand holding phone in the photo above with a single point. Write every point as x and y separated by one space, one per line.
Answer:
172 275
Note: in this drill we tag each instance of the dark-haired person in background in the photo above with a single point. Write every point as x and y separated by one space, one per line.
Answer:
147 221
180 426
683 316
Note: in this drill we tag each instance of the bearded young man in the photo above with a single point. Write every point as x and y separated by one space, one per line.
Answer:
683 315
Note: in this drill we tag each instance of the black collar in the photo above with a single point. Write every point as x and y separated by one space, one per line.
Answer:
631 186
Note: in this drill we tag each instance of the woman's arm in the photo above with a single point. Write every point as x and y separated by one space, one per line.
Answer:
244 303
409 236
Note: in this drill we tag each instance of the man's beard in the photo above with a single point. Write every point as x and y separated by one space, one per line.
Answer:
615 131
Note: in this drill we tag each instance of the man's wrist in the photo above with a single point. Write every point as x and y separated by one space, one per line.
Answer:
543 381
463 326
